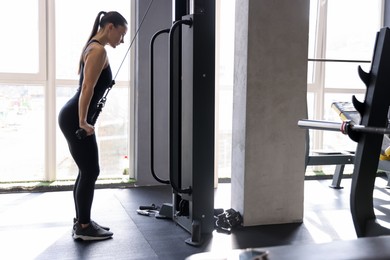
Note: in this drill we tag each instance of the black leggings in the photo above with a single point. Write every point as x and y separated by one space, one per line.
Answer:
85 154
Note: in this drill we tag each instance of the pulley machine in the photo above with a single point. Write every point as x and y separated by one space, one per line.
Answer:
191 115
369 135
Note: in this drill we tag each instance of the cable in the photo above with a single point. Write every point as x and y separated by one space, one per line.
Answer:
135 35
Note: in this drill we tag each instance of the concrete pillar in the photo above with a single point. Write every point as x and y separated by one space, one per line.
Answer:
158 18
270 85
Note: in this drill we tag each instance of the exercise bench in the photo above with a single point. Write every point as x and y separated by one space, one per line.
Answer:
338 158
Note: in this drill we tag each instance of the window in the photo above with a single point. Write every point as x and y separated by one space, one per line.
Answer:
112 127
38 74
224 85
21 132
20 51
73 27
340 40
22 77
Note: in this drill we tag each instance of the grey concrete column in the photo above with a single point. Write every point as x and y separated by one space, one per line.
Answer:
158 18
270 85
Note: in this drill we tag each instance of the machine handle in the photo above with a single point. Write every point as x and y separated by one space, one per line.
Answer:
151 52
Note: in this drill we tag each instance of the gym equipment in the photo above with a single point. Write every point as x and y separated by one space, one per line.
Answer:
191 116
228 220
368 135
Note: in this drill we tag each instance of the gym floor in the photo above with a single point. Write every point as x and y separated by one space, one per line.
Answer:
38 225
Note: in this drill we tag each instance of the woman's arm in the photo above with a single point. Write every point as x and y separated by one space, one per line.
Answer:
95 60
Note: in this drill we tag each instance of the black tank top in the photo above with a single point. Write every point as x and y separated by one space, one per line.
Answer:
69 114
101 86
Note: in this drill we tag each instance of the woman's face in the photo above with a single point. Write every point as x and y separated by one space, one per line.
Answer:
117 35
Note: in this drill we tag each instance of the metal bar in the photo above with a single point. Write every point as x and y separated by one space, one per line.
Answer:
334 60
320 125
371 130
342 127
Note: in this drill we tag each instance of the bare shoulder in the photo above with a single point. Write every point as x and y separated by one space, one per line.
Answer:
95 51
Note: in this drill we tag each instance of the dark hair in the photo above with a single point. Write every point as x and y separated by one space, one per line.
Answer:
108 17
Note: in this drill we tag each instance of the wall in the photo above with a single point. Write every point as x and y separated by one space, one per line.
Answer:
386 15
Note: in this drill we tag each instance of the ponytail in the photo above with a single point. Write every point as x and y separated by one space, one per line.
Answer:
95 29
108 17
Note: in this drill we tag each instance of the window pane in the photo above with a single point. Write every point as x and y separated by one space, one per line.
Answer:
225 80
344 74
351 28
66 167
112 125
21 133
19 51
112 135
112 129
310 105
73 27
349 37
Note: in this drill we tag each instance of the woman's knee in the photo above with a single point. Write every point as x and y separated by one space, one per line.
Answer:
91 172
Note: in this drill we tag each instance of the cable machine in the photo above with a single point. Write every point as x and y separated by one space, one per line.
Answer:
191 115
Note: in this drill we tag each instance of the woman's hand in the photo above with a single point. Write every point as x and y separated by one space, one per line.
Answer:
89 129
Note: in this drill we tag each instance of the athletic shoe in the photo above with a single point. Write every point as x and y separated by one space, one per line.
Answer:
103 227
91 232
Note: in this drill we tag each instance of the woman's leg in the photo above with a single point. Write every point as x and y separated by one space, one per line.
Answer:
76 184
85 154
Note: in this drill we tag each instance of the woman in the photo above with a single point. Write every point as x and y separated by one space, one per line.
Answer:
95 77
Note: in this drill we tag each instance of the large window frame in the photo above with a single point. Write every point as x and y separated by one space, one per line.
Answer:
120 83
317 62
38 80
46 77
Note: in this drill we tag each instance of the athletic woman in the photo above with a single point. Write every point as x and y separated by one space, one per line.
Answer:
95 77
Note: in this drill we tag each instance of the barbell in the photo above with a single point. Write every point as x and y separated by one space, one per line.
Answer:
345 127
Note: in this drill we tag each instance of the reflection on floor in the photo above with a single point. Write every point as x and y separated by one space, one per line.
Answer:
38 225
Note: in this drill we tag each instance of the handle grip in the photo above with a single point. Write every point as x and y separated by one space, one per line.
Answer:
81 134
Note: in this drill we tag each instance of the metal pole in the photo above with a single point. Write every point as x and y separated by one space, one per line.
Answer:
343 127
320 125
371 130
